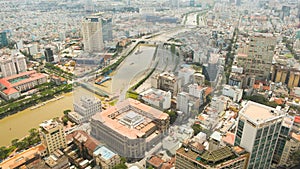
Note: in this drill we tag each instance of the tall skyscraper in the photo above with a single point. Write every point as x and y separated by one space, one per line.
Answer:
3 39
92 33
14 64
258 131
49 57
107 29
52 135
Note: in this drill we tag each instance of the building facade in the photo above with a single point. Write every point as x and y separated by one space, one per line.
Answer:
185 74
3 39
106 158
130 128
167 82
49 56
107 29
157 98
14 64
92 33
87 107
258 131
232 92
283 138
256 57
52 135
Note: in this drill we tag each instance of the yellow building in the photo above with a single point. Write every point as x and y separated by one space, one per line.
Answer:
52 135
281 75
293 80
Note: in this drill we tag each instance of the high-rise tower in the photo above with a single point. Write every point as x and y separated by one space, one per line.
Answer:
258 131
92 33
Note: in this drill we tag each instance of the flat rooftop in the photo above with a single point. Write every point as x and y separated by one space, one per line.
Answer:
49 124
105 153
259 113
130 111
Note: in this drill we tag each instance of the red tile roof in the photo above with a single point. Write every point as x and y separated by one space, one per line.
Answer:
297 119
208 91
278 101
155 161
32 76
229 138
89 142
10 91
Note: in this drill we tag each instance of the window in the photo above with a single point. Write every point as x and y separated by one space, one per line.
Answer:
258 134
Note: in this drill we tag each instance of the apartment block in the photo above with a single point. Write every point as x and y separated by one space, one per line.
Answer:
157 98
167 82
256 56
257 131
52 135
12 65
86 107
232 92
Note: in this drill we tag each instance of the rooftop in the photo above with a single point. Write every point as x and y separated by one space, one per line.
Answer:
126 119
154 94
155 161
259 113
105 153
49 124
22 157
21 78
209 157
84 138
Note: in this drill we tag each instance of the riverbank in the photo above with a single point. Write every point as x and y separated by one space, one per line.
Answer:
17 125
14 107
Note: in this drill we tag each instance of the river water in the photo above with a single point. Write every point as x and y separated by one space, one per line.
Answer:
18 125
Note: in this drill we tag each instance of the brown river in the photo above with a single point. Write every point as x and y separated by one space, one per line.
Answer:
18 125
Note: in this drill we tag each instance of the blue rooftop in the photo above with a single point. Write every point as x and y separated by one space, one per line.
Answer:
104 152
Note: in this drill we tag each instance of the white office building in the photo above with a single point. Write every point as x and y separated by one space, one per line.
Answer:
257 131
197 91
186 75
12 65
86 107
157 98
233 92
92 33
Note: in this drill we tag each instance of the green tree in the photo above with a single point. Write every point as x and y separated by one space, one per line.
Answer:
65 120
197 128
33 132
173 116
122 165
66 112
15 142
